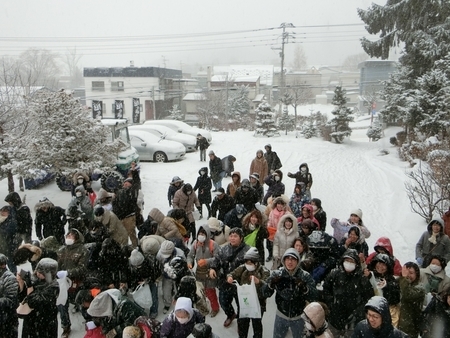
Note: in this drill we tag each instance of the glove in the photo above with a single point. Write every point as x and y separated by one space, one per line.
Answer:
419 261
301 285
26 277
90 325
318 273
62 274
274 281
202 262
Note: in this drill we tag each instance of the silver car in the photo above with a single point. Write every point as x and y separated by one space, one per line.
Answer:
166 133
153 148
181 127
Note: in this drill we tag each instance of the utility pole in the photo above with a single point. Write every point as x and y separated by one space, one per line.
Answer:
284 39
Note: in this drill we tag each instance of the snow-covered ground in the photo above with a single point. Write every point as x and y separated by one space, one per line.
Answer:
346 176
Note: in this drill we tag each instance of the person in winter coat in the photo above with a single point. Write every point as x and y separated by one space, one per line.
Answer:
80 179
203 144
104 199
259 166
204 185
273 161
228 164
180 323
112 275
8 228
230 257
203 253
114 226
294 287
23 217
279 208
433 242
113 312
40 290
172 226
307 212
255 184
219 231
72 258
433 277
82 202
186 199
287 232
276 187
412 294
341 228
174 186
216 170
436 317
346 291
50 220
150 225
222 203
352 242
254 271
234 184
234 217
306 258
318 213
303 175
255 231
378 321
316 325
9 322
380 272
246 195
383 245
298 199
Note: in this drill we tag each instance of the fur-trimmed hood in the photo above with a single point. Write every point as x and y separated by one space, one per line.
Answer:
292 218
43 203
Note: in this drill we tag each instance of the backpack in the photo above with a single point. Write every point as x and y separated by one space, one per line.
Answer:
150 327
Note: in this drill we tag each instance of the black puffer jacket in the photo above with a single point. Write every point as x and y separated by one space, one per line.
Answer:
392 289
23 214
246 195
228 259
50 222
8 302
204 186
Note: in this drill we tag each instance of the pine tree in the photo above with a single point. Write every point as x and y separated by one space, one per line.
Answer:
60 135
239 103
340 123
175 113
374 132
309 129
286 122
265 120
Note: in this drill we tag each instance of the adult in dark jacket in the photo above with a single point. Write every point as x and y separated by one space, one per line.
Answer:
8 228
40 290
436 317
273 161
82 202
23 217
378 321
216 170
346 291
255 223
352 241
204 185
228 164
8 301
294 287
433 242
222 203
234 217
276 187
246 195
319 213
180 323
303 175
203 144
114 312
50 220
255 184
229 258
176 184
111 275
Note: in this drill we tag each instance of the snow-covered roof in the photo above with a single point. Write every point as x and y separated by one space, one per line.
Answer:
194 97
258 98
236 79
265 72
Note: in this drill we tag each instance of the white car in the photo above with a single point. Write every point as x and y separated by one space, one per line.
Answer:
154 148
181 127
166 133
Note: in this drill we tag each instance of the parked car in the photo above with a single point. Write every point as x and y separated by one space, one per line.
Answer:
181 127
154 148
166 133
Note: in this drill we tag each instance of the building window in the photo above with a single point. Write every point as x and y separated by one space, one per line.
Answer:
98 86
117 86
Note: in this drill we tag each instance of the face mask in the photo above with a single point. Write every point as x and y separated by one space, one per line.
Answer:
80 181
189 192
251 227
349 266
202 173
69 241
182 320
314 207
78 194
303 169
98 218
201 238
3 218
250 267
435 268
277 178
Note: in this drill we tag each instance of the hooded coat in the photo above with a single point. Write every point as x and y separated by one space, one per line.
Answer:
316 315
8 230
425 246
391 292
293 289
246 195
297 201
203 185
276 188
115 227
222 205
262 234
275 216
172 328
215 168
284 239
112 273
386 330
23 214
170 228
413 294
150 226
305 177
51 222
259 166
346 293
182 200
83 203
73 259
8 303
173 188
233 186
385 243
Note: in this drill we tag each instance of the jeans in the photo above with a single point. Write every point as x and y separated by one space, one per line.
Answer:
282 326
218 184
226 296
64 314
168 286
203 155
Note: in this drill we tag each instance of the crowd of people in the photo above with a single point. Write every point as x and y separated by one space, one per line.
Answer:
112 264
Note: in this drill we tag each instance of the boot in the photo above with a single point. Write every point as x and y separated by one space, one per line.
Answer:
66 332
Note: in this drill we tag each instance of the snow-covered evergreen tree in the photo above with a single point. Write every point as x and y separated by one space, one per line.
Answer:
60 135
286 122
265 120
374 132
309 129
239 103
342 116
175 113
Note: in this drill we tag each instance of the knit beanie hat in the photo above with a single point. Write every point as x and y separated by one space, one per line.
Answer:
166 248
150 245
136 258
101 306
357 212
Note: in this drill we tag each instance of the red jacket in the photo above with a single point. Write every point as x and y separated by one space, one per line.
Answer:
95 333
385 243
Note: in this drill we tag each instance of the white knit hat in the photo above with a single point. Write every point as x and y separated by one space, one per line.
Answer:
357 212
136 258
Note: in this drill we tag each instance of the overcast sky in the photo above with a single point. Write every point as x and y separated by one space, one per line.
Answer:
182 33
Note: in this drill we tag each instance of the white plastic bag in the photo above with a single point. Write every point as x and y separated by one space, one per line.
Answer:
142 296
248 301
